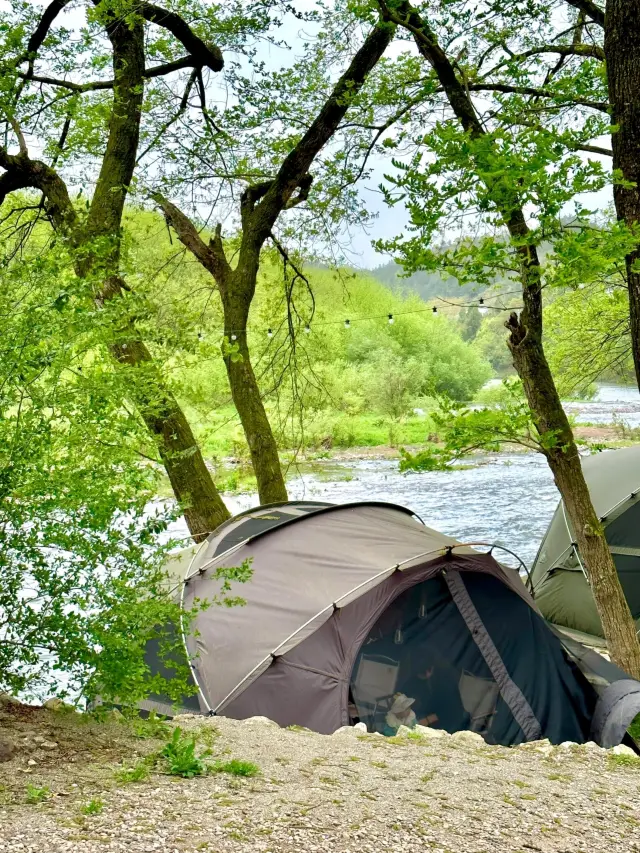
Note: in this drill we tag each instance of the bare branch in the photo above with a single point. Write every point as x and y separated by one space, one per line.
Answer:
206 55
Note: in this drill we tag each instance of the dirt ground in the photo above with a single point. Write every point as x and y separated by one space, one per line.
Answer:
74 784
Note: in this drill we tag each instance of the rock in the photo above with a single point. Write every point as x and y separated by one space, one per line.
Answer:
114 716
179 718
592 746
7 750
361 727
31 762
7 699
56 704
39 739
49 744
260 721
427 732
621 749
543 746
567 744
346 730
467 738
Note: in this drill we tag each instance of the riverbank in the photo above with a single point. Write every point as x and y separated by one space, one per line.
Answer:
105 787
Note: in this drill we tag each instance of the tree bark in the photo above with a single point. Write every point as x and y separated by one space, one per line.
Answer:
247 398
622 52
188 474
529 359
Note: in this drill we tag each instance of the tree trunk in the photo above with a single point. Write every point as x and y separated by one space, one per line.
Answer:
622 52
236 301
190 479
531 364
563 459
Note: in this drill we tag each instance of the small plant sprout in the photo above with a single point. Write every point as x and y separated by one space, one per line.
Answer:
37 794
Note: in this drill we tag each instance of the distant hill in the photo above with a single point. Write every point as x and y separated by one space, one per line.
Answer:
428 285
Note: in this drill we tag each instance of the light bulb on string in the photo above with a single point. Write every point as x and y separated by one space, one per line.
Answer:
482 308
234 337
347 324
435 309
307 329
269 333
391 319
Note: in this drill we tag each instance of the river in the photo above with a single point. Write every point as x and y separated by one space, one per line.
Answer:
504 498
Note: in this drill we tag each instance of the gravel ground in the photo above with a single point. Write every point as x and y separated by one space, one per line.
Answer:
348 793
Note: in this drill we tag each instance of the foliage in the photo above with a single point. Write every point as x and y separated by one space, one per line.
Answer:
139 772
37 794
462 430
83 541
236 767
616 761
180 755
94 806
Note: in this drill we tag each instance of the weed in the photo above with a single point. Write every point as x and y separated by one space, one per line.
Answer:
180 754
520 783
154 726
236 768
138 773
559 777
36 794
615 761
381 764
93 807
428 776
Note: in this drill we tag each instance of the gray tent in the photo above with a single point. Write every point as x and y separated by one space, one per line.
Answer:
351 605
559 574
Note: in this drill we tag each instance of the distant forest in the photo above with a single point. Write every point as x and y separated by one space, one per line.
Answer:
428 285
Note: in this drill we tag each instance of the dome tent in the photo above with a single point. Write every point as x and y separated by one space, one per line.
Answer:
559 575
350 605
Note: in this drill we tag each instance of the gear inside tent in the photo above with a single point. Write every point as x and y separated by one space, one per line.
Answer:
361 613
560 574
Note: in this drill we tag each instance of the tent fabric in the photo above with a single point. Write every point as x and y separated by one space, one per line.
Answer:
296 577
559 575
347 604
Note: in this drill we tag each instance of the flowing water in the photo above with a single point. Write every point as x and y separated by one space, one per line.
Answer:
505 498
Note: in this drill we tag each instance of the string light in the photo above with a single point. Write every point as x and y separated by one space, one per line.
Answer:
457 306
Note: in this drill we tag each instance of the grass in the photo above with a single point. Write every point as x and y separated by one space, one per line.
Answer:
236 768
138 773
616 761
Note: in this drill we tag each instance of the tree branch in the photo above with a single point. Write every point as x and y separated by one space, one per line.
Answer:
212 256
297 163
590 9
601 106
206 55
23 173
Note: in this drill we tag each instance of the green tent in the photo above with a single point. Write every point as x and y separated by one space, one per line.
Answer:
559 574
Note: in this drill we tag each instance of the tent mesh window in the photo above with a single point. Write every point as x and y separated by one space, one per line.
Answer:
420 647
